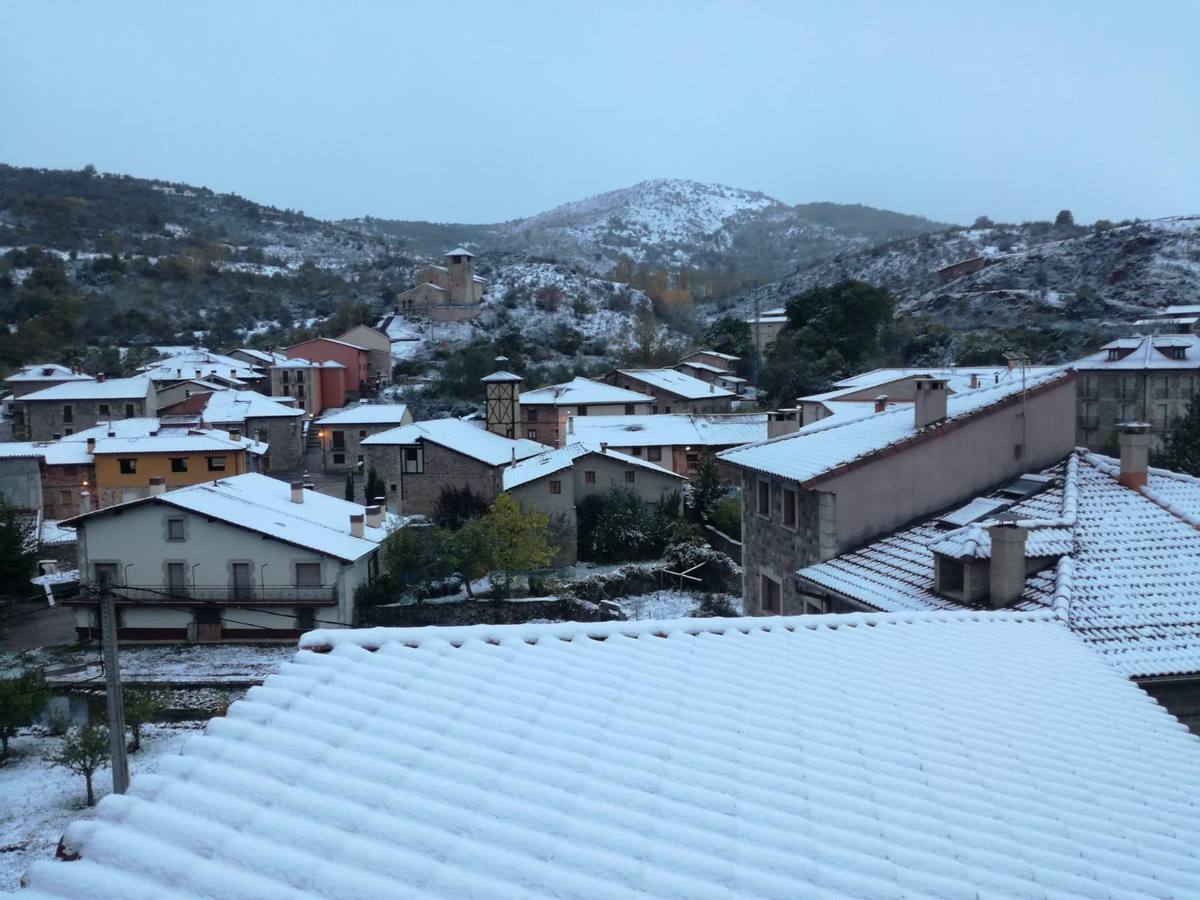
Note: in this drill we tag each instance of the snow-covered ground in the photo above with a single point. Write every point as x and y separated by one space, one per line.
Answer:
175 664
37 800
667 605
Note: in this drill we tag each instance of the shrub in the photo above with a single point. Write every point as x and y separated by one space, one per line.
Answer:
726 517
83 751
616 525
21 698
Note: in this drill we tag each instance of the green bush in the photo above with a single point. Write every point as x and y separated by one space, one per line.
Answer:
616 525
726 517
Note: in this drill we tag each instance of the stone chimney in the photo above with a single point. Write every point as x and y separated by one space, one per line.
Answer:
91 445
881 403
99 376
198 375
297 491
158 485
374 516
782 421
235 434
85 502
1006 580
930 401
974 380
604 446
356 524
1134 441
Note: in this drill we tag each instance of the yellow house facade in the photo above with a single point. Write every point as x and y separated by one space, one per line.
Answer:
133 468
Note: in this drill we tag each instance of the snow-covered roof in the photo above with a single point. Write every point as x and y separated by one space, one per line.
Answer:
535 467
300 363
137 426
53 532
726 356
581 390
367 414
237 406
703 367
462 437
185 366
459 251
171 442
267 356
1127 576
21 449
671 430
108 389
500 376
676 382
915 755
957 378
1145 353
330 340
822 447
47 372
264 505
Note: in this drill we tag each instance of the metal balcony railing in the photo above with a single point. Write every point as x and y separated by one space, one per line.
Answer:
276 595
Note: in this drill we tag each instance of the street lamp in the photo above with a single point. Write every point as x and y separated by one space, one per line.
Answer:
194 578
262 584
125 574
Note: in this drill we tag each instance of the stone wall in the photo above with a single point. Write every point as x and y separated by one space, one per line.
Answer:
61 487
1105 400
45 418
410 493
488 612
283 434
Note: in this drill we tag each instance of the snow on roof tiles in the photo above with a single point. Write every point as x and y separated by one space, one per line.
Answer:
582 390
500 376
47 372
301 363
109 389
535 467
1146 353
1128 581
462 437
172 442
902 756
676 382
958 378
264 504
821 448
367 414
459 251
671 430
237 406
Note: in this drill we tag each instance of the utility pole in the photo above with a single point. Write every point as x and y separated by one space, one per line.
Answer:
757 347
112 687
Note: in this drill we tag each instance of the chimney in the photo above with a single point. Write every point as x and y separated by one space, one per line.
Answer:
881 403
712 387
111 433
233 374
178 373
158 485
930 401
1006 580
604 446
570 424
235 434
297 491
974 380
782 421
85 502
374 516
1134 441
99 376
91 445
198 376
356 525
514 456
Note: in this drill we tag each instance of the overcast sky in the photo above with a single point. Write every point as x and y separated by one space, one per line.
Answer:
487 111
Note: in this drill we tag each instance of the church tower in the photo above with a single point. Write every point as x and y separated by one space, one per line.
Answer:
502 393
460 275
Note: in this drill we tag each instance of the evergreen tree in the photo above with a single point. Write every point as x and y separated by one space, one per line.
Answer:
349 492
18 550
1180 450
707 488
1064 219
83 751
374 487
21 698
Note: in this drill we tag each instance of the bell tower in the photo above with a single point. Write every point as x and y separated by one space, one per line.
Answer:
502 396
460 275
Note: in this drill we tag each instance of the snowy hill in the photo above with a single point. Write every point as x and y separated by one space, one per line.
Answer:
1112 274
669 223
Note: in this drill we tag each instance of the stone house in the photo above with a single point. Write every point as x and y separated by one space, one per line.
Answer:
352 358
676 442
379 352
765 327
46 476
674 391
341 433
242 558
812 494
267 420
713 368
419 460
260 361
556 482
21 477
544 411
34 378
64 409
1140 379
201 364
448 293
956 270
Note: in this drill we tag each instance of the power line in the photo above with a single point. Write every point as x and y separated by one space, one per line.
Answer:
259 609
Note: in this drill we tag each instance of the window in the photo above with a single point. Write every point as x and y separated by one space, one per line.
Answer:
362 433
637 451
556 487
177 579
764 498
414 460
654 454
242 588
68 414
179 464
306 619
308 574
629 409
531 433
589 477
283 377
102 410
300 391
175 529
693 461
106 573
531 416
1128 413
129 413
392 488
581 409
1158 387
769 599
338 440
667 410
339 459
1090 387
64 497
127 466
216 463
1129 387
68 431
789 508
1186 387
630 476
